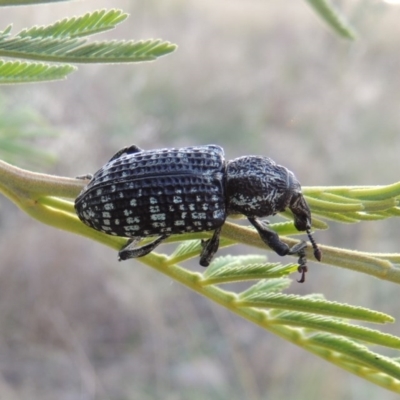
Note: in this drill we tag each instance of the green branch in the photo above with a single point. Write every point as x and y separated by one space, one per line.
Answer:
311 322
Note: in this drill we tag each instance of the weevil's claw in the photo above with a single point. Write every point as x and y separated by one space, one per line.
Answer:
302 269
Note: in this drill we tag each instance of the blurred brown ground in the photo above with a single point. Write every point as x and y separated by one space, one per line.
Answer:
257 77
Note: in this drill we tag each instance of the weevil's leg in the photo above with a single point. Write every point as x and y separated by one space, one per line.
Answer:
210 247
87 177
299 249
126 150
302 268
270 237
131 251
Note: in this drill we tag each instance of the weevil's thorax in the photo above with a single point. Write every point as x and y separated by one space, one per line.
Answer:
258 187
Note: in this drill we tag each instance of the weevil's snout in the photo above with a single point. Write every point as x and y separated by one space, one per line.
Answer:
301 212
302 222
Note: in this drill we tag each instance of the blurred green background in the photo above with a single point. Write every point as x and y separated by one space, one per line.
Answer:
257 77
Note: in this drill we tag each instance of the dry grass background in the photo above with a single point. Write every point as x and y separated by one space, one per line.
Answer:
263 77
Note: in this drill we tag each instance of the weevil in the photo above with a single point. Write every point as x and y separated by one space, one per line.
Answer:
141 193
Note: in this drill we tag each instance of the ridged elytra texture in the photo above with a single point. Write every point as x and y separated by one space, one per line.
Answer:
146 193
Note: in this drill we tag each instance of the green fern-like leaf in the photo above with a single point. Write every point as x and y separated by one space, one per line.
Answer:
20 128
63 42
26 2
328 12
12 72
354 204
315 323
88 24
264 299
358 353
242 268
77 51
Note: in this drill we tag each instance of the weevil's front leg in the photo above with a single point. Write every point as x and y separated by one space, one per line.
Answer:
210 247
270 237
299 249
131 251
302 268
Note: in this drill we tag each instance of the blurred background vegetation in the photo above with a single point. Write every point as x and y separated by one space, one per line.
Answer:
255 76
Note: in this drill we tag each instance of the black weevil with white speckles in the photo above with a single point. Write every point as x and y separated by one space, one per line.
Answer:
141 193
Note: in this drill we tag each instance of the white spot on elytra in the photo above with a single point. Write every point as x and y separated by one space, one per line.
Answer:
218 214
158 217
158 224
197 215
131 228
132 220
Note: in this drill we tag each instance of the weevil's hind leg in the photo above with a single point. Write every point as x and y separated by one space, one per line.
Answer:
131 251
210 247
270 237
126 150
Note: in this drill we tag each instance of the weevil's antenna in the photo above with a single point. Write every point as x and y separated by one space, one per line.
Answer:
317 251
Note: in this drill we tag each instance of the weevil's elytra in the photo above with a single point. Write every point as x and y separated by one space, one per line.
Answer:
140 193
